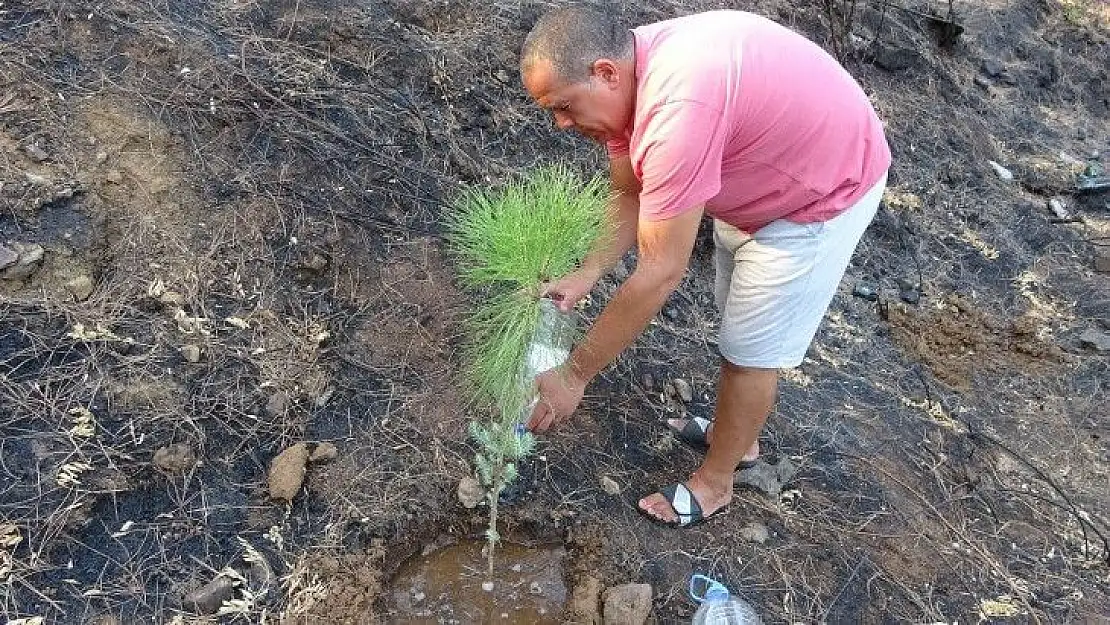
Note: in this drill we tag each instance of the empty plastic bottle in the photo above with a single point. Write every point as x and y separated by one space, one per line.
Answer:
718 607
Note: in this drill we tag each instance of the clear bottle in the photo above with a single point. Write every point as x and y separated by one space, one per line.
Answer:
718 607
549 348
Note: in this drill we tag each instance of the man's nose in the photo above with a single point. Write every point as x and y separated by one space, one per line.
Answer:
563 121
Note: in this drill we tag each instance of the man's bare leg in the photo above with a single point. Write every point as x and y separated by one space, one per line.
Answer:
745 397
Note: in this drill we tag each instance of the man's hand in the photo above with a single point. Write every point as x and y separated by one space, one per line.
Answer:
559 391
568 290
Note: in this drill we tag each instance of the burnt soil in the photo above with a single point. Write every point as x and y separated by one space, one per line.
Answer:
264 182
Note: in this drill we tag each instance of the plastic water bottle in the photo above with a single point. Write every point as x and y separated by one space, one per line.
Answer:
549 348
718 607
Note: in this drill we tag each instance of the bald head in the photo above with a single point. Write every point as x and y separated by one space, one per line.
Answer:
572 38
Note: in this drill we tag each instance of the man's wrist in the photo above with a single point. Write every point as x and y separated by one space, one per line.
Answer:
578 370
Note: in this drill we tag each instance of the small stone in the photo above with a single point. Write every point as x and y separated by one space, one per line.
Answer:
610 486
895 59
101 157
535 588
190 353
35 152
65 193
1096 340
171 298
418 596
910 296
866 292
755 532
682 387
37 180
502 76
629 604
1102 261
8 257
324 452
767 478
585 601
115 176
470 492
982 83
287 471
487 586
993 68
1002 172
1056 205
80 287
211 596
277 404
30 257
175 458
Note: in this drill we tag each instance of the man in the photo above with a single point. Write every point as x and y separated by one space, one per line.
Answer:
730 115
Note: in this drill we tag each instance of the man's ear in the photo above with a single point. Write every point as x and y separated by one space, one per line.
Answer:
607 71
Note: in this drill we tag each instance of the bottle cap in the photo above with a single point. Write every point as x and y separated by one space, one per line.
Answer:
712 589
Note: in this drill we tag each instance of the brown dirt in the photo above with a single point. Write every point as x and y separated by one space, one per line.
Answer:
958 342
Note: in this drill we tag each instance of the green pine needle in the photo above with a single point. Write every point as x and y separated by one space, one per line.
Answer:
509 241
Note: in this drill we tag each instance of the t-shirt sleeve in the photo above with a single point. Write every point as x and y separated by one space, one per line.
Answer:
680 158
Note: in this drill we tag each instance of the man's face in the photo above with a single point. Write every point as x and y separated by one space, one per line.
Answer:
598 107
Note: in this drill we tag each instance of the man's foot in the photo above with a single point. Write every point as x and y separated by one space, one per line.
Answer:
705 500
698 432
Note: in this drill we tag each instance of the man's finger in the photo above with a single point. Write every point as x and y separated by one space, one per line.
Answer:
537 422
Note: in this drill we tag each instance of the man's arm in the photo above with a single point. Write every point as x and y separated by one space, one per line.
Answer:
664 252
623 215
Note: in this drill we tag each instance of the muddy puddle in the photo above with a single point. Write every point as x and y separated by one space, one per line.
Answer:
445 586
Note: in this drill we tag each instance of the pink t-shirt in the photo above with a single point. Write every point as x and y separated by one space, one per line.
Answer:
749 118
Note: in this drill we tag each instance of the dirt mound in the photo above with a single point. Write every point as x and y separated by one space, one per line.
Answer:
959 342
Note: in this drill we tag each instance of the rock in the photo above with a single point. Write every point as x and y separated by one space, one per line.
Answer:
115 176
1096 340
470 492
37 180
910 296
1056 205
65 193
8 257
982 83
171 298
629 604
755 532
766 477
1002 172
993 68
211 596
190 353
176 458
324 452
866 292
1102 261
101 158
894 59
80 287
277 404
585 602
287 472
610 486
35 152
29 259
682 387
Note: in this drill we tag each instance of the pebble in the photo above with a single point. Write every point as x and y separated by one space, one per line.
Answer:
80 287
755 532
866 292
610 486
211 596
36 152
324 452
682 387
1002 172
191 353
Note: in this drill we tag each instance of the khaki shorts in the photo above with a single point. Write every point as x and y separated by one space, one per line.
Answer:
774 287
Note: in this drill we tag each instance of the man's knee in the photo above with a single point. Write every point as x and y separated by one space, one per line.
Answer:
731 368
